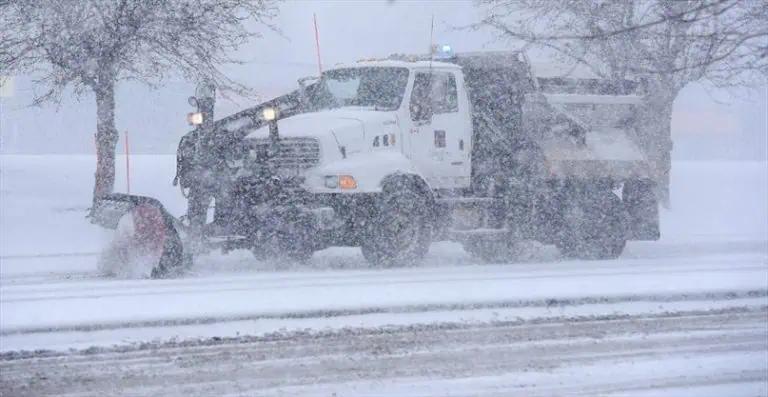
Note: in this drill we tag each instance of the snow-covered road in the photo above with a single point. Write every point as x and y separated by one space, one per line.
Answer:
61 313
712 353
687 314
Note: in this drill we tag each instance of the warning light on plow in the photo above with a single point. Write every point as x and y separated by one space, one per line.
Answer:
269 114
195 118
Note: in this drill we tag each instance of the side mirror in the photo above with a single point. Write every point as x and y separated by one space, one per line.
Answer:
192 101
303 83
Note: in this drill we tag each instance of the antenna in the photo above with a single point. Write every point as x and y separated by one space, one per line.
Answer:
431 42
317 46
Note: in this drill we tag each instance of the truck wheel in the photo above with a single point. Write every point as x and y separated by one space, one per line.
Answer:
595 228
493 251
400 232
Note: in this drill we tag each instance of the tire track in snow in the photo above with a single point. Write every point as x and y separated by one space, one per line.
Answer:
592 356
310 314
19 294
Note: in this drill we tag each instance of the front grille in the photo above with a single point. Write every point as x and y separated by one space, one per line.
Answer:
295 153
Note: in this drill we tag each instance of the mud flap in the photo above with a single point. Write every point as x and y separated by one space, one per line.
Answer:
643 210
146 241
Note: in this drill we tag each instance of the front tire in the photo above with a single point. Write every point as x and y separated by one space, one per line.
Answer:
400 231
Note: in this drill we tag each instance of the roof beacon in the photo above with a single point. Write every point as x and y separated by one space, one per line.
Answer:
443 51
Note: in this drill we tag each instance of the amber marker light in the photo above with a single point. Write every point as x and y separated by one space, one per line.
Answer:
347 182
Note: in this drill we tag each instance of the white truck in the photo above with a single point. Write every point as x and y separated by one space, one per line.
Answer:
391 155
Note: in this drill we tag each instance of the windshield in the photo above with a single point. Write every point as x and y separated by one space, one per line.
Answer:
380 88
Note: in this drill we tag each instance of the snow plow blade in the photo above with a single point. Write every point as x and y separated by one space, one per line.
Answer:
147 239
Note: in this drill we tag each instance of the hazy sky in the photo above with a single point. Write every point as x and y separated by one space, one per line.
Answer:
349 30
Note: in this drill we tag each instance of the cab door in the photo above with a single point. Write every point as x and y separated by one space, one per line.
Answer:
440 148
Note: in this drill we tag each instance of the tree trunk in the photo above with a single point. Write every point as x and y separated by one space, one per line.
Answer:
663 160
106 140
657 136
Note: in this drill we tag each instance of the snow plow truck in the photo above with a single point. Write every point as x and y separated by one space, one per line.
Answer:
390 155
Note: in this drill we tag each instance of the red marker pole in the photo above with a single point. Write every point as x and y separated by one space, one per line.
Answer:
317 45
127 165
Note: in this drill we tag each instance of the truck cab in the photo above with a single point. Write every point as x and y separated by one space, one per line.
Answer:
368 120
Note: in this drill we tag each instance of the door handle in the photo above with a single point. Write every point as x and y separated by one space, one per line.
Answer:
440 138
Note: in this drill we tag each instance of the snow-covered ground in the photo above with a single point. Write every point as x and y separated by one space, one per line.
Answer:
686 314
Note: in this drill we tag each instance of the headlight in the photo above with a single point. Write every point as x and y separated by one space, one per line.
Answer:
269 114
195 118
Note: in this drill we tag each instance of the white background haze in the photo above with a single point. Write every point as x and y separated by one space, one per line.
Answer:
707 123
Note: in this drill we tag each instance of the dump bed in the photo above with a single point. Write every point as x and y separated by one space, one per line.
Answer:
578 124
586 126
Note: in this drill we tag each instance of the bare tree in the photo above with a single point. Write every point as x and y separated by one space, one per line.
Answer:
90 45
668 44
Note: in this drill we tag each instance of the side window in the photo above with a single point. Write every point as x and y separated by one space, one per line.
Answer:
433 93
444 95
420 104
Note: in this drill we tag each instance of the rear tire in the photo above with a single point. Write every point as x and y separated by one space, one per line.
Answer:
595 228
400 232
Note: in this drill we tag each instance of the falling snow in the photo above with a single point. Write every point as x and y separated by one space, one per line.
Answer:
441 220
